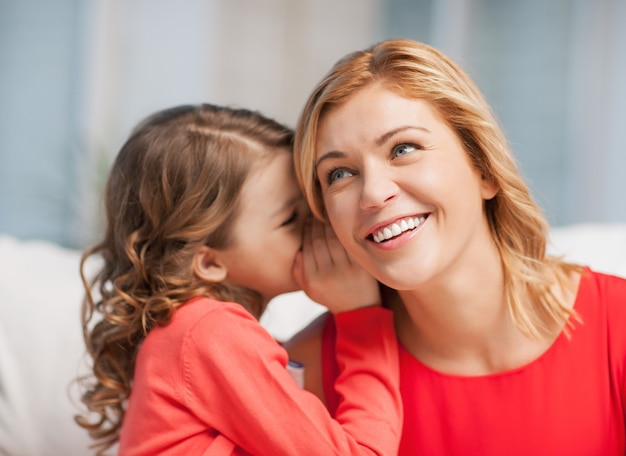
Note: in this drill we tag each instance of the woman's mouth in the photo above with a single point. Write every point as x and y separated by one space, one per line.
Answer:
396 228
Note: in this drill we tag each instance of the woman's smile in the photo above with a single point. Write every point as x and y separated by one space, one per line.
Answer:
391 231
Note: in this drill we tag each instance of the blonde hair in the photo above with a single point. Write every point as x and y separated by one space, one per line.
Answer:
173 188
418 71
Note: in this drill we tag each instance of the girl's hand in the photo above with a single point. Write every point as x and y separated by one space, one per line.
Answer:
328 275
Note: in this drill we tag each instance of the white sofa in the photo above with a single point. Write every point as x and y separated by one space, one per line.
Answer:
41 348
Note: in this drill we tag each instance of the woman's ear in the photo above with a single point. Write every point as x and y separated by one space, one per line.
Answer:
207 266
488 189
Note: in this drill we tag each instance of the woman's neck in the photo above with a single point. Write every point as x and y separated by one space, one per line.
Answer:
461 325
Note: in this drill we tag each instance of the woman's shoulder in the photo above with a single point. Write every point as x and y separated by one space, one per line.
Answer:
603 285
601 295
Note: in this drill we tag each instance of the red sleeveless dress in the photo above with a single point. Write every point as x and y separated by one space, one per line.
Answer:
568 402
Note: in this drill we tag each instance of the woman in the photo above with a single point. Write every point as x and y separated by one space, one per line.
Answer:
503 349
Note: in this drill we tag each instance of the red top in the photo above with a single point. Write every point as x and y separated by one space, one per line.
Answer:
213 382
570 401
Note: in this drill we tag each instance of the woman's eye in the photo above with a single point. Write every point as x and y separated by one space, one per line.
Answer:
403 149
336 174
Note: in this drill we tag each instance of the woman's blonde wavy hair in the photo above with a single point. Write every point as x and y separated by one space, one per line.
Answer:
173 188
418 71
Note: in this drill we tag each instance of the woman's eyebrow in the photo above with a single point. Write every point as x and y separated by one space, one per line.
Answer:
328 155
385 136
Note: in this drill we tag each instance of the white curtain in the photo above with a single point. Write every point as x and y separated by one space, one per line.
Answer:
596 98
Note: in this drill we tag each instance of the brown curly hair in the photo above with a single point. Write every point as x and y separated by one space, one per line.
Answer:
173 188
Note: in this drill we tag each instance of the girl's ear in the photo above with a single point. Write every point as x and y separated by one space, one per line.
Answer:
207 266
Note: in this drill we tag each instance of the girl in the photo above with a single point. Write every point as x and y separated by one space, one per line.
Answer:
204 227
503 349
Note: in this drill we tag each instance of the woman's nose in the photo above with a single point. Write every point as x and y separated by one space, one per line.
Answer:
377 187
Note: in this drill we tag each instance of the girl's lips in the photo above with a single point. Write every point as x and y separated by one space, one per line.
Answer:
389 230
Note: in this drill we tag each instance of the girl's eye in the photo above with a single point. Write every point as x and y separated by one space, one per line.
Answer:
403 149
292 218
338 173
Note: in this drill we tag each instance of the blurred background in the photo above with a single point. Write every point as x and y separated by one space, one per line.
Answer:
77 75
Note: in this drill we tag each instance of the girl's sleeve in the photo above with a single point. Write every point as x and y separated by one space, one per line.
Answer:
235 380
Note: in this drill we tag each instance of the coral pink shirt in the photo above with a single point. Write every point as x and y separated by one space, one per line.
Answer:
213 382
570 401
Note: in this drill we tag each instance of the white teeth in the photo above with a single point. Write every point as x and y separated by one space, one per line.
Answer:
397 228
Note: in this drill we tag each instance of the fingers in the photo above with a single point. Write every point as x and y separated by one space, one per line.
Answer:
335 250
326 273
323 255
322 247
313 256
298 270
309 246
314 264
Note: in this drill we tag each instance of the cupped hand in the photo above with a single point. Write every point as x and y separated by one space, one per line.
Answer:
327 274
